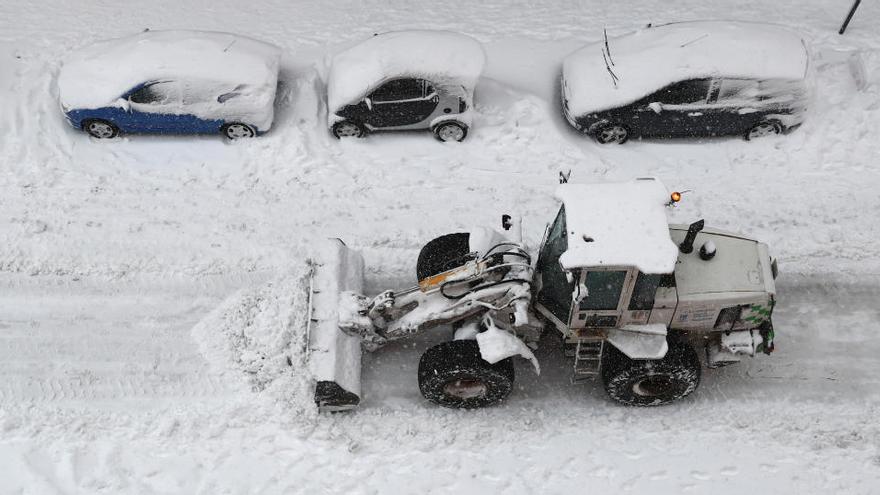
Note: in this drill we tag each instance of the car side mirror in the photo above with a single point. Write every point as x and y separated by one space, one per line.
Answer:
656 106
368 102
506 221
433 97
124 103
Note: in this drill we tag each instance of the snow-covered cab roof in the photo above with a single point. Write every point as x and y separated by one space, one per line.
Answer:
442 57
618 224
96 75
652 58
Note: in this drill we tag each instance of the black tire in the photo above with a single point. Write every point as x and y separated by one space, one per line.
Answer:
443 253
237 130
100 129
348 128
453 374
762 129
612 133
647 383
450 131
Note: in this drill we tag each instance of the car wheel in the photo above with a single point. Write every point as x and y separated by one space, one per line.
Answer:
450 131
100 129
453 374
237 130
647 383
612 133
347 128
763 128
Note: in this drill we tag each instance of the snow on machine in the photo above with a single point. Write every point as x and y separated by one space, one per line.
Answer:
171 82
632 297
405 80
688 79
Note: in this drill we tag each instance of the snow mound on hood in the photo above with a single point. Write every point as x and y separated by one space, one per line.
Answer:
259 334
442 57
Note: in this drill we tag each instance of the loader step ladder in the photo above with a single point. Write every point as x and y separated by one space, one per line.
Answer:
587 359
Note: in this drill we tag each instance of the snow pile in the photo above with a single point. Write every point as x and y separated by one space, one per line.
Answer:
652 58
259 334
618 224
442 57
206 63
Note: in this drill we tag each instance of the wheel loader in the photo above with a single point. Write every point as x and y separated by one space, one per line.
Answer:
634 300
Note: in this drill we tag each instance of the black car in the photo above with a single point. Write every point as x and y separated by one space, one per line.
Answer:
405 80
688 80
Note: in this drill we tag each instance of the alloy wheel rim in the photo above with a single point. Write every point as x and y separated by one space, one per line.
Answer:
451 133
238 131
100 130
762 130
613 134
347 130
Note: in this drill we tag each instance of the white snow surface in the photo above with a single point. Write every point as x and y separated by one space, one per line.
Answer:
258 335
112 251
651 58
442 57
212 63
618 224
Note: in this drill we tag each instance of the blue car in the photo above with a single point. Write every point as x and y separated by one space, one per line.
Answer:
171 82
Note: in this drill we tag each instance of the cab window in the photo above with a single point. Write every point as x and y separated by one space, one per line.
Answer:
603 290
644 291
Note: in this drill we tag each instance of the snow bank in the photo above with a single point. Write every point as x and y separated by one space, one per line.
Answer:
439 56
207 64
259 335
618 224
652 58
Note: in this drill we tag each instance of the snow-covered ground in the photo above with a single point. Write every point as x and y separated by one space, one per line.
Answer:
110 253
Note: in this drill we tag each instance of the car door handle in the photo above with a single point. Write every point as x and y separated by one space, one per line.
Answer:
695 114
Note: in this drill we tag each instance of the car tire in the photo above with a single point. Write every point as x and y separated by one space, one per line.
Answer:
443 253
454 375
100 129
236 130
763 128
348 128
646 383
450 131
612 133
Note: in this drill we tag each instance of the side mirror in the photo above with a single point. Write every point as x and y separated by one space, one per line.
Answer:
433 97
368 102
124 103
656 106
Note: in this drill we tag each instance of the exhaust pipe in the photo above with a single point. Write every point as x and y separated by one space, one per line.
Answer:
687 245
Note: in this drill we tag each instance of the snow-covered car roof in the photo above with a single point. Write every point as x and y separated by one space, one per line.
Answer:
96 75
438 56
618 224
652 58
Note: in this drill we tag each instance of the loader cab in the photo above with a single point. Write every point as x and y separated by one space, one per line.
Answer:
586 298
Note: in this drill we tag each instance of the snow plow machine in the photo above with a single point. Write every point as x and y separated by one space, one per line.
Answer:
634 300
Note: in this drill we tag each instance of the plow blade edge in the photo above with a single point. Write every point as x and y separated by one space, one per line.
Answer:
334 356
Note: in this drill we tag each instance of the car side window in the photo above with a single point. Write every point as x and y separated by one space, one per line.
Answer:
399 89
157 93
737 89
694 91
